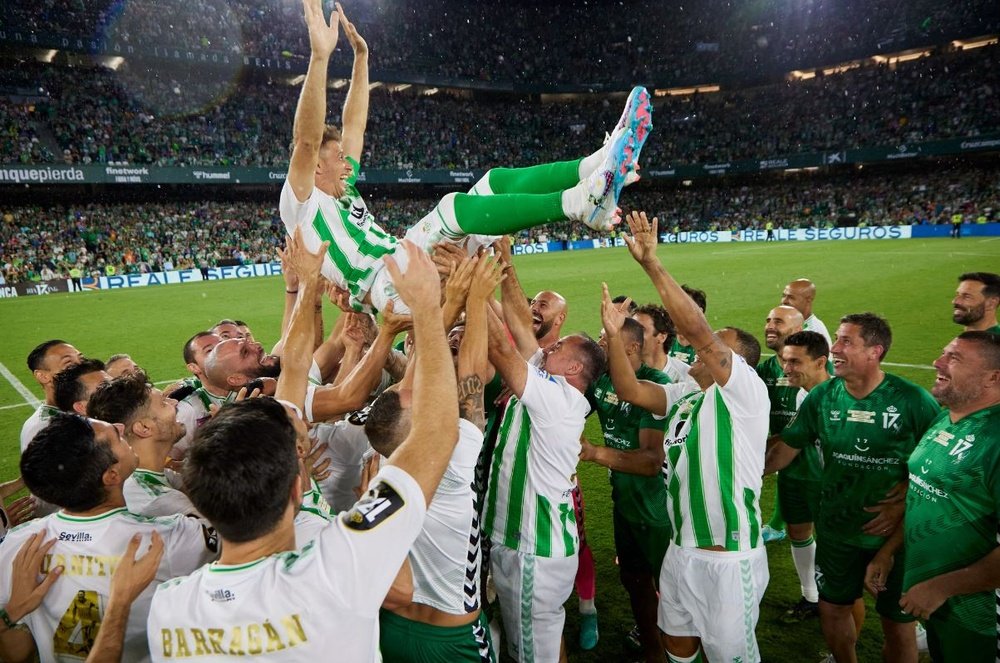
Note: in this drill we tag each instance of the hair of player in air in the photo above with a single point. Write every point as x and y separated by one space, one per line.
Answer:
117 357
988 344
330 133
875 330
65 464
632 306
814 343
593 358
747 345
225 321
189 346
68 387
990 281
697 295
632 332
241 466
661 322
36 358
118 401
383 424
240 323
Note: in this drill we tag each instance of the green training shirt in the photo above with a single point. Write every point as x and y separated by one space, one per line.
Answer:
785 400
864 445
685 353
641 499
952 506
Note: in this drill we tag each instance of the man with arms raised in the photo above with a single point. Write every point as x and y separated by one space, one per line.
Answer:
633 452
976 301
80 465
715 573
151 428
867 423
952 564
800 294
253 602
444 621
321 197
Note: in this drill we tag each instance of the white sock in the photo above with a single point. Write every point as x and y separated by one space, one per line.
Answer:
482 187
495 635
591 162
587 607
573 202
804 556
674 658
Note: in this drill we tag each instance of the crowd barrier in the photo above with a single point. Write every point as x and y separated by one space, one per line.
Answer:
694 237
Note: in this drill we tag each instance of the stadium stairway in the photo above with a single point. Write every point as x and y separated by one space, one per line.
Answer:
47 138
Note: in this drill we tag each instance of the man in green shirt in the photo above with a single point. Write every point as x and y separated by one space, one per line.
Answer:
952 564
867 423
976 301
679 347
633 453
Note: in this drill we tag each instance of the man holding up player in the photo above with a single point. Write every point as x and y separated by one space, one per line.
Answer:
867 423
715 574
321 197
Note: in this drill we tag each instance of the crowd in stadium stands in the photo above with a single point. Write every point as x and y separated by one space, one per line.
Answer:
37 243
524 41
184 117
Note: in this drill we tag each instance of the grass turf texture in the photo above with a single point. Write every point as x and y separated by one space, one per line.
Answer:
910 282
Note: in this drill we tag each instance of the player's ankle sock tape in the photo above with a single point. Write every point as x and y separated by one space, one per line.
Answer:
802 544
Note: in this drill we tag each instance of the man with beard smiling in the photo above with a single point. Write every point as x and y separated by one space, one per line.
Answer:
976 301
867 423
954 497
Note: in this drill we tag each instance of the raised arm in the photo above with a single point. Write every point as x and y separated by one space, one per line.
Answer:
473 365
516 312
356 104
310 115
425 452
687 316
641 393
511 366
297 354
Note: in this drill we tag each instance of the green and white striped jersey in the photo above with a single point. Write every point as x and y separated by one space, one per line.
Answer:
528 503
155 494
357 243
715 443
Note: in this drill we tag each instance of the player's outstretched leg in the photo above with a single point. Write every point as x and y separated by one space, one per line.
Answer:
551 177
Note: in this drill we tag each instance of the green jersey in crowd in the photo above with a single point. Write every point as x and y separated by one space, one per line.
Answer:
637 498
785 400
952 509
865 444
685 353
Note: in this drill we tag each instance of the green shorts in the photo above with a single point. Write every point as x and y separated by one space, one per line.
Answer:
640 546
948 641
798 499
402 639
840 576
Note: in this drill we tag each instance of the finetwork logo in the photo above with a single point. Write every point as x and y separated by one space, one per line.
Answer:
39 175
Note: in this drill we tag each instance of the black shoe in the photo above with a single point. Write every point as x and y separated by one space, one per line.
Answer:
632 639
800 612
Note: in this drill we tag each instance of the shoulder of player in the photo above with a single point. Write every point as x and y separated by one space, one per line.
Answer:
18 535
905 387
651 374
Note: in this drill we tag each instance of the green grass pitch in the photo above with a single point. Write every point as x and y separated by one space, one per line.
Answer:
909 281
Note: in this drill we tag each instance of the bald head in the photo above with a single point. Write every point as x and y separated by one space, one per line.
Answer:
782 321
800 294
548 313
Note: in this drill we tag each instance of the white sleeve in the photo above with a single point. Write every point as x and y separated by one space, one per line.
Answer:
548 398
188 545
289 207
170 503
362 551
186 415
462 466
745 393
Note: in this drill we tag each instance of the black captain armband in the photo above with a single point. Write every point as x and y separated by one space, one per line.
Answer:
377 506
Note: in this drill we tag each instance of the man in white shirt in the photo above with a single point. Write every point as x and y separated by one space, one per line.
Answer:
253 601
44 362
81 465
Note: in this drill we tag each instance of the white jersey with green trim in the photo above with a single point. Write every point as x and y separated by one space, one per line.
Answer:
155 494
66 623
318 603
38 420
193 411
715 443
529 507
814 324
357 243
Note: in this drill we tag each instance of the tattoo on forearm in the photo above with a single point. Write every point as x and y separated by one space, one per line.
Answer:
470 400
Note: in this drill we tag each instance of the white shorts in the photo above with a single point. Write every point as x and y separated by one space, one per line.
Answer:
531 591
714 596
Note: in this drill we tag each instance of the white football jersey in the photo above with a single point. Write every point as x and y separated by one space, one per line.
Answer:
155 494
446 557
347 444
66 623
319 603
